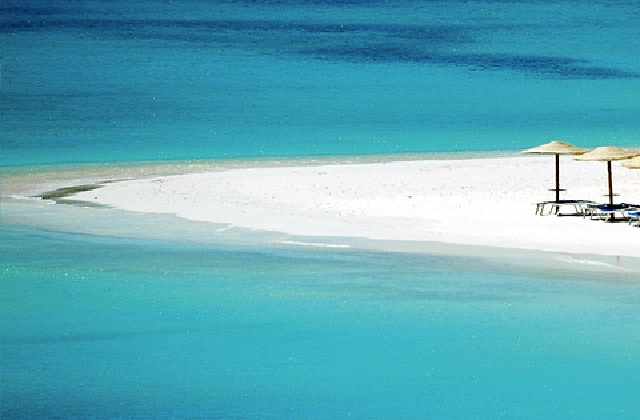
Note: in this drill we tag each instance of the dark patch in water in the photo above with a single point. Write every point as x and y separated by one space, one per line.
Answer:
67 191
355 42
60 195
544 66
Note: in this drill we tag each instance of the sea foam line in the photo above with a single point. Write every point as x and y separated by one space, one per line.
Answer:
316 244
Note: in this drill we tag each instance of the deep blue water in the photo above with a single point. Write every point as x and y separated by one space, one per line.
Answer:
115 81
107 327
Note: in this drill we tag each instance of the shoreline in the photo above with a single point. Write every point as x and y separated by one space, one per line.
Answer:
487 203
123 225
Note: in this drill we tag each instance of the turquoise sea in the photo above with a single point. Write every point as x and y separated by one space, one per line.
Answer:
100 321
104 81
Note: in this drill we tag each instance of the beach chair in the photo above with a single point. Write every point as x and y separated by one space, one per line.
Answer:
607 212
555 205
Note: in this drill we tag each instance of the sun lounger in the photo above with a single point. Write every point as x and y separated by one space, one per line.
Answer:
607 212
554 207
634 217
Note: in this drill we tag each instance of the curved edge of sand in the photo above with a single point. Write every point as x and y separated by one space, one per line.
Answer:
483 207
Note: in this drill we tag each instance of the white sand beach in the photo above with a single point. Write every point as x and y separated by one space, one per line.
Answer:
486 201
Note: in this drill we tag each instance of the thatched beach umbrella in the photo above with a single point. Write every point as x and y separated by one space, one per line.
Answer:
556 148
633 163
608 154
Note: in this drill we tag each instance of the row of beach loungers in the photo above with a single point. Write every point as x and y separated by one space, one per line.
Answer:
587 208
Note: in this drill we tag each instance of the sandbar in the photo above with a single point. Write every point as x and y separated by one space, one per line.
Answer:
487 201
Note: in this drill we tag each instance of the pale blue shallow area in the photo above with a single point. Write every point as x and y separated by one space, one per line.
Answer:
104 327
99 327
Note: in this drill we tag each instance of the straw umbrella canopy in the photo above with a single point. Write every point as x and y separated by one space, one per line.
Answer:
633 163
556 148
608 154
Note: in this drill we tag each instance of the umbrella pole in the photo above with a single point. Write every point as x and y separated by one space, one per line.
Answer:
557 177
610 182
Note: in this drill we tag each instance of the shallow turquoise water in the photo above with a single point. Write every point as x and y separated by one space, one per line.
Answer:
105 327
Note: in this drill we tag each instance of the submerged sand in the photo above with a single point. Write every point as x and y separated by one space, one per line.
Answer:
482 201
